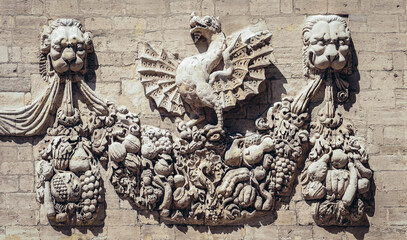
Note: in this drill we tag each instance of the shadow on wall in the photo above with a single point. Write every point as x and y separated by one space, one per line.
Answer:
242 118
354 87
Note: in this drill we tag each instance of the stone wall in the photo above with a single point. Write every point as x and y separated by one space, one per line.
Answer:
377 108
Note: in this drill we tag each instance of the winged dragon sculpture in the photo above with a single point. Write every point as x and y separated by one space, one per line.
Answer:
227 70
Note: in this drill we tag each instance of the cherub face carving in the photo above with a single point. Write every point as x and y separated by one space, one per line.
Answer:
66 45
326 44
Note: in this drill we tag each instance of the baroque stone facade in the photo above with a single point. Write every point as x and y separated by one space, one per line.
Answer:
197 169
202 175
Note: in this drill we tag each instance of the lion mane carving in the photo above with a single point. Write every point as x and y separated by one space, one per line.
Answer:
327 45
66 46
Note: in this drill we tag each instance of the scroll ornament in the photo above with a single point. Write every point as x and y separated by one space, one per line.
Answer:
199 175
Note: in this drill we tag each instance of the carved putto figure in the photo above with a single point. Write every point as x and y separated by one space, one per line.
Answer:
196 175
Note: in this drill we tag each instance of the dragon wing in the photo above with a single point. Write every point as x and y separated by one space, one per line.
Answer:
158 79
249 59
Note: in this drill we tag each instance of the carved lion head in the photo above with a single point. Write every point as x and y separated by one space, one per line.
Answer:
203 27
326 45
64 47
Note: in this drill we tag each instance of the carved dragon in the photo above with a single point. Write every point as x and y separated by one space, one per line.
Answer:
225 71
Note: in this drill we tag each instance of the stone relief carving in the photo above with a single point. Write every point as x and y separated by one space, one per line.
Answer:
67 174
226 70
199 175
336 173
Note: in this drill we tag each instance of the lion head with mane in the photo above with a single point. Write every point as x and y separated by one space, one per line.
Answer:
327 45
66 49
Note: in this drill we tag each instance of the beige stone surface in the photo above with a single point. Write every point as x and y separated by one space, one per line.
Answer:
379 36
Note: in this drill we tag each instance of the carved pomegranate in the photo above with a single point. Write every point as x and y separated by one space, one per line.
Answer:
182 198
163 168
65 187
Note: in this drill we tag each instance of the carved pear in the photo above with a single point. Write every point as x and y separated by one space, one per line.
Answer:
317 170
80 160
233 156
